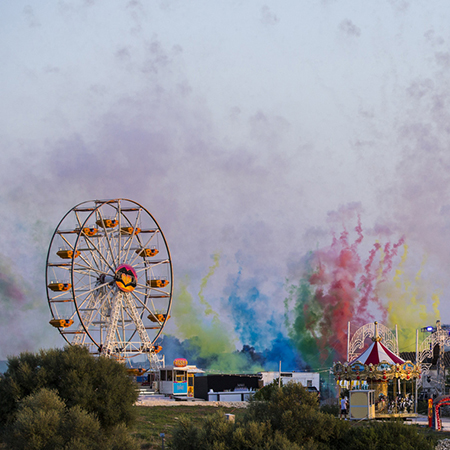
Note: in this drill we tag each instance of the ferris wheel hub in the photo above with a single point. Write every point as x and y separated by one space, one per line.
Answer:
126 278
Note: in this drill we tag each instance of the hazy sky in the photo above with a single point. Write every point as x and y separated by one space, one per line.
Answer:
249 129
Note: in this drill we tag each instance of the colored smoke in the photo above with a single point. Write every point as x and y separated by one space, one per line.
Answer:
340 286
350 280
408 306
205 340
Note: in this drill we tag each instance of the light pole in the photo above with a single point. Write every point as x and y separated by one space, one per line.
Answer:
439 336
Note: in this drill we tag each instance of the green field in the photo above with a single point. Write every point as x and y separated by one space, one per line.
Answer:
153 420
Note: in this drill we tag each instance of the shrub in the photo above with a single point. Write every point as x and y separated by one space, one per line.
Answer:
266 392
330 409
220 434
37 423
294 412
287 418
98 385
214 434
387 435
43 422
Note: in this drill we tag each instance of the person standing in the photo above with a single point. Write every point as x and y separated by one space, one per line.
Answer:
344 406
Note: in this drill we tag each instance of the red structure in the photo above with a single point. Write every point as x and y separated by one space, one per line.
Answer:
443 400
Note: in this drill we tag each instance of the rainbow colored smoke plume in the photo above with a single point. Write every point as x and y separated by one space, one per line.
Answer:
337 285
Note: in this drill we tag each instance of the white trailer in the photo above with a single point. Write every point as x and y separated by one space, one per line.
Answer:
306 379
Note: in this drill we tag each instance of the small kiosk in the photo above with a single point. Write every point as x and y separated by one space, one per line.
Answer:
178 379
362 404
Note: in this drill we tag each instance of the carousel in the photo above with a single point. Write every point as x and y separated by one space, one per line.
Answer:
382 371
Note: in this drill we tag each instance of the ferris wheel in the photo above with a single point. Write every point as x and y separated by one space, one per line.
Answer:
109 279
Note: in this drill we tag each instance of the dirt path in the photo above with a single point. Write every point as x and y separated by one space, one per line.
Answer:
148 401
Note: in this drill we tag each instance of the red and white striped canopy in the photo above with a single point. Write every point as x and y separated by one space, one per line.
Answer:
376 353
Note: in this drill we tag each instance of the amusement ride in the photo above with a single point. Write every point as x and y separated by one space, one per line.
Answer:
109 280
378 366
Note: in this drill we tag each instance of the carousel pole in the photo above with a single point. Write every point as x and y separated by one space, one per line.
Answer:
417 359
348 340
396 339
394 387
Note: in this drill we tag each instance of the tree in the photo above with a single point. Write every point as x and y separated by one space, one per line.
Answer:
100 386
43 422
294 412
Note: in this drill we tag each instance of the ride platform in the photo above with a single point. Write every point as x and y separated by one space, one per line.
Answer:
404 416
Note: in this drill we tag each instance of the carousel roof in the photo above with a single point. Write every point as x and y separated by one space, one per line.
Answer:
377 353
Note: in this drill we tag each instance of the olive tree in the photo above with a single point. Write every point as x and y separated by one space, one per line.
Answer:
100 386
43 422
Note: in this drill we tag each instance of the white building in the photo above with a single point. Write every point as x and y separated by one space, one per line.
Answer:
306 379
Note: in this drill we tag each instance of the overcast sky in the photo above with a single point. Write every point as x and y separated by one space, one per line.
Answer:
251 130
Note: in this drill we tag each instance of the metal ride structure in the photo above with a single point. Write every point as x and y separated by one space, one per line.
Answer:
438 339
109 279
356 343
378 366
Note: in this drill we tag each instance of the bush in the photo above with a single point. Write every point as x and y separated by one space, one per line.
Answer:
334 409
97 385
37 422
289 418
289 394
387 435
220 434
294 412
277 418
44 423
267 392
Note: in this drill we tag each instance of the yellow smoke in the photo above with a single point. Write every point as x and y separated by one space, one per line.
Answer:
408 304
212 269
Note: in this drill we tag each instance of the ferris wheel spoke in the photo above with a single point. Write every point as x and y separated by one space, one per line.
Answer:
142 293
104 250
63 266
107 235
144 246
66 241
81 290
91 300
119 233
78 219
98 253
90 245
86 261
127 241
159 290
83 273
141 302
133 234
65 293
94 256
149 265
88 269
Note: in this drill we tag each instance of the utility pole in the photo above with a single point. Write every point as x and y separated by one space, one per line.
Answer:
279 378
